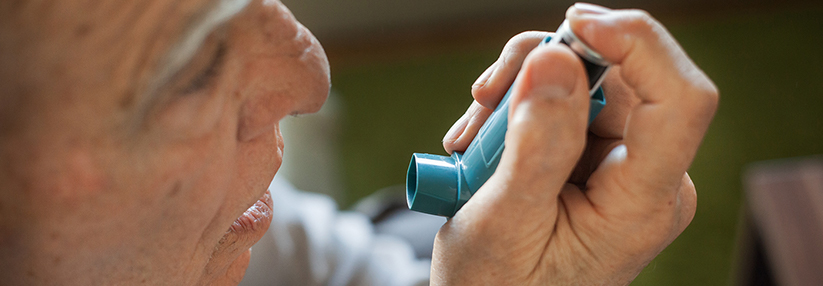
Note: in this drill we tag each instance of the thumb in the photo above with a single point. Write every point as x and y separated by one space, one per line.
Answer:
545 137
547 128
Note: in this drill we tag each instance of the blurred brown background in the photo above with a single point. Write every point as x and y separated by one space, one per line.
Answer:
402 70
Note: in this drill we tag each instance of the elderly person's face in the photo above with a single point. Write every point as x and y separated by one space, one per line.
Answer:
138 137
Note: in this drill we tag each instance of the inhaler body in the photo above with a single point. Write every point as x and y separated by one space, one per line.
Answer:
441 185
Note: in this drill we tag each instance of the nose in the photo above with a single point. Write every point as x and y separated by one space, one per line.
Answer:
318 62
284 68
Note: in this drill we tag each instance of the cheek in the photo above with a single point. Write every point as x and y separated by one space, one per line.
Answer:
209 182
185 182
189 116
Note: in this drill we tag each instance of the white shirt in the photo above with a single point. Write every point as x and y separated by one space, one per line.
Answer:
310 242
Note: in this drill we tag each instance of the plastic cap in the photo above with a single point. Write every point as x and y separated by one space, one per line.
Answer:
432 184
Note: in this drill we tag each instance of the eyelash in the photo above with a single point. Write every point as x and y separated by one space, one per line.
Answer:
206 77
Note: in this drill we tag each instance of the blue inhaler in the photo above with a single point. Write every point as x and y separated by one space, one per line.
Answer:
441 185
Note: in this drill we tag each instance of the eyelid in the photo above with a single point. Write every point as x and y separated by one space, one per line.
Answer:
206 76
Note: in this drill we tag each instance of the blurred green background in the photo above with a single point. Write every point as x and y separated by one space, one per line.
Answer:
767 64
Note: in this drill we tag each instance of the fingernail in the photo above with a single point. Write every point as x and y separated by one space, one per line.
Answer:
552 80
586 8
481 81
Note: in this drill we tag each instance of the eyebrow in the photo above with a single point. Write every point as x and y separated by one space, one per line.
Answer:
182 52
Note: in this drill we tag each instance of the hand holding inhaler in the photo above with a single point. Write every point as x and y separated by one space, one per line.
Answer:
441 185
572 205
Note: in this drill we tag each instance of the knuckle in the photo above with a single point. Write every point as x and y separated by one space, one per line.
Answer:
641 22
689 199
709 92
688 194
689 207
505 57
704 94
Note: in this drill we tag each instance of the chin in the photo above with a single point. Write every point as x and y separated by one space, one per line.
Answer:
231 255
234 273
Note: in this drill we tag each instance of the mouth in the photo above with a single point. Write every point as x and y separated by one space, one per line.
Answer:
254 222
231 254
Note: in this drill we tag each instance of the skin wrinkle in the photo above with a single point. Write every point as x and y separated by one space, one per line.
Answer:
132 19
155 223
184 50
203 23
145 54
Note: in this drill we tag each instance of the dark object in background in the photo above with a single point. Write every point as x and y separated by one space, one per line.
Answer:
782 243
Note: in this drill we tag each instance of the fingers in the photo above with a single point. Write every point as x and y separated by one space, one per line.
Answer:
546 135
677 100
463 131
611 121
490 88
496 80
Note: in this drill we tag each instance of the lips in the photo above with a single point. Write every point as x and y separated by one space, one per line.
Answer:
255 220
231 255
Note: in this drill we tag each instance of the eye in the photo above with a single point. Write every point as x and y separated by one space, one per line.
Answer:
207 74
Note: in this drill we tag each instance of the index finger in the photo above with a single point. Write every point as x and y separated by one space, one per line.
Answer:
678 100
490 88
496 80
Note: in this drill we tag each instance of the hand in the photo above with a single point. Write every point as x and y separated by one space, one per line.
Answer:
572 207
